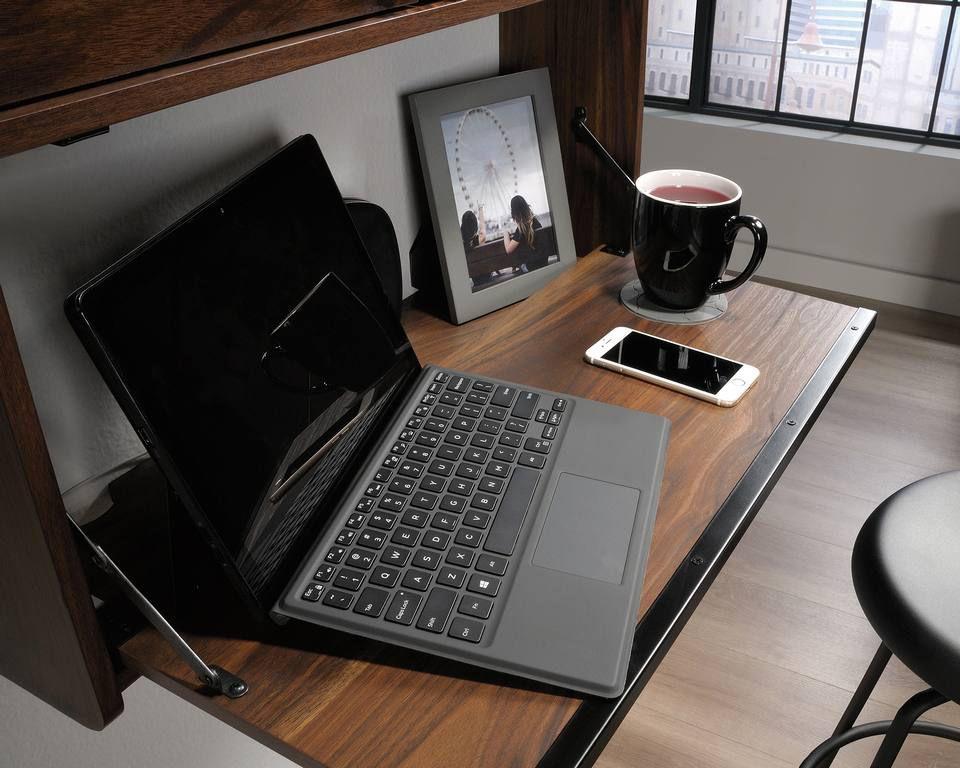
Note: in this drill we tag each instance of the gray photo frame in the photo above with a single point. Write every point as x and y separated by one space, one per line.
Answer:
472 296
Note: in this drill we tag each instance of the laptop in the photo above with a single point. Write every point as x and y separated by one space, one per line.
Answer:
341 483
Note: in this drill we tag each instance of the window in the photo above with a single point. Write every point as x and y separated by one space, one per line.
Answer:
881 67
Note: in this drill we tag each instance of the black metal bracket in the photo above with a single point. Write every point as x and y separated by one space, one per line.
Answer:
215 678
585 136
82 136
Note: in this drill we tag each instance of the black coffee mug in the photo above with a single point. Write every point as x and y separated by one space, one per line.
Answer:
684 228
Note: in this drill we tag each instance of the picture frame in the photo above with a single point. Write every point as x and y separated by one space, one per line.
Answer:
490 154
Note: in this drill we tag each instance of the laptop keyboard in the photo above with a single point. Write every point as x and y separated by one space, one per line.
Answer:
430 542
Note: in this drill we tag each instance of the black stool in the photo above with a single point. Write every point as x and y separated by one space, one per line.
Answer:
906 570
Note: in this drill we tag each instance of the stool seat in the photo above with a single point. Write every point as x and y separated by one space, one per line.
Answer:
906 571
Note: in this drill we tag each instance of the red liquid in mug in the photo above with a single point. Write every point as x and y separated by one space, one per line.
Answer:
684 193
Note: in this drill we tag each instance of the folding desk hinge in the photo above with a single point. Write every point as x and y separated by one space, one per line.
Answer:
213 677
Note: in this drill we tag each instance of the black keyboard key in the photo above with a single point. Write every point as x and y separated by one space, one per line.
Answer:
415 422
450 398
407 435
435 540
510 439
469 630
345 539
393 502
490 427
416 580
476 455
460 556
385 577
496 412
402 485
464 424
549 432
453 503
349 579
459 384
503 396
399 448
471 410
476 606
403 608
374 489
428 399
371 602
446 412
554 418
498 469
383 475
337 599
382 520
423 500
441 467
477 398
396 556
451 577
491 484
371 539
449 452
482 441
461 487
456 438
502 453
406 537
392 461
476 519
410 469
513 508
442 377
324 573
426 559
483 386
428 439
483 584
469 471
526 405
467 538
484 501
421 410
444 521
415 518
435 388
492 564
436 611
312 593
560 404
517 425
528 459
542 415
435 425
360 558
335 555
432 484
420 454
356 520
537 446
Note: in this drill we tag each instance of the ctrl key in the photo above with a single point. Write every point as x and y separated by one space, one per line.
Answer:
466 629
312 593
403 608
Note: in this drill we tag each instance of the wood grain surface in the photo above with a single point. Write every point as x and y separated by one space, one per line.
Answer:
325 698
50 642
86 108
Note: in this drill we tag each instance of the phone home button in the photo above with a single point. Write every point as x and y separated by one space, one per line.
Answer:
739 383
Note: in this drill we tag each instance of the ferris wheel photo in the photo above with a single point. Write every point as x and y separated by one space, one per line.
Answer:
485 163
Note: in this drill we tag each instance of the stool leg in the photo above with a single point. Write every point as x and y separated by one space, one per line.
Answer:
859 699
906 716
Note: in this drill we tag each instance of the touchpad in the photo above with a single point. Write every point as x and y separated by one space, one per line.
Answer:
588 528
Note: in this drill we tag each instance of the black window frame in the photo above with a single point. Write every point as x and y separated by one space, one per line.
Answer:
699 99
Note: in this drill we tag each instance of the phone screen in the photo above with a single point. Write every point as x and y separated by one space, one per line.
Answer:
667 360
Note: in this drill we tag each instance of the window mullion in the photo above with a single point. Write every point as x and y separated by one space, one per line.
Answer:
863 48
943 67
783 55
702 50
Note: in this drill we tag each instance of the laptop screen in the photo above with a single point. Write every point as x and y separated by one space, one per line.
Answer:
257 342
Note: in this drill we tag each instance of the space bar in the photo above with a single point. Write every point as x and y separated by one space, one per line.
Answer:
506 525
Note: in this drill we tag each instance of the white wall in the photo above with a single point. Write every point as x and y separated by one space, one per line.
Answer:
872 218
67 212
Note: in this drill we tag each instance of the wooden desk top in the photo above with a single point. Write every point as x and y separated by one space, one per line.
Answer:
342 701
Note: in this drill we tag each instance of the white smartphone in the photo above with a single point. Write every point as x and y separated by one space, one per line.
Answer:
683 369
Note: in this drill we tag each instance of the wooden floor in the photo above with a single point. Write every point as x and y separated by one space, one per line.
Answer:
766 665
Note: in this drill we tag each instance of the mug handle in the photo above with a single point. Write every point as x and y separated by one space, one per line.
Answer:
733 224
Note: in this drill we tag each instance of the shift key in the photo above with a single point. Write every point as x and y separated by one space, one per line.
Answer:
436 611
513 508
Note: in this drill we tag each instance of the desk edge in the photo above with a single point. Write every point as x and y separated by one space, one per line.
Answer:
595 721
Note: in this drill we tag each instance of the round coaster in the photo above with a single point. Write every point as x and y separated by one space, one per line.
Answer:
631 296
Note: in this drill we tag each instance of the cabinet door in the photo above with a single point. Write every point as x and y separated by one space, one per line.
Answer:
48 46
